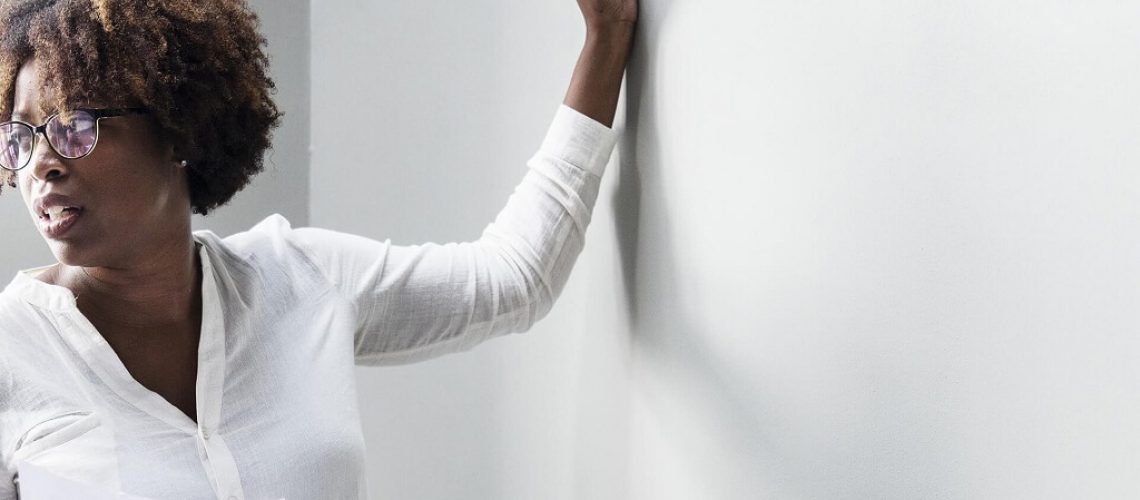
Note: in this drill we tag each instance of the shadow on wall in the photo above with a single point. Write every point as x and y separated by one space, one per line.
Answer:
724 429
779 410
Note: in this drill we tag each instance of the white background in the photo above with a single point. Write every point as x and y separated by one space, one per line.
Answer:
881 249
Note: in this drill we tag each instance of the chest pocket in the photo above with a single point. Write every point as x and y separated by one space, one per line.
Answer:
75 445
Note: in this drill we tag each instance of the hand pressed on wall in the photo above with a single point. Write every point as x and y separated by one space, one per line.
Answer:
596 82
601 13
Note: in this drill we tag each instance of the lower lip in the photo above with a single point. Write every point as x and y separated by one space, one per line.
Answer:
59 227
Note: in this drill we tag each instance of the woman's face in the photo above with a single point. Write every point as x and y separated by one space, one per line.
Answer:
129 198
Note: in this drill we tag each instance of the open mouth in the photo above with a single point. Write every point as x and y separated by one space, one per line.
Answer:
55 221
57 213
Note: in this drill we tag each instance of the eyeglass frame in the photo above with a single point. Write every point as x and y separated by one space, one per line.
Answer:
96 113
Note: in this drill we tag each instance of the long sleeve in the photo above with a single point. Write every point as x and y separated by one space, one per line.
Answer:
422 301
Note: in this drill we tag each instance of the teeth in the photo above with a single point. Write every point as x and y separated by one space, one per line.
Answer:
54 213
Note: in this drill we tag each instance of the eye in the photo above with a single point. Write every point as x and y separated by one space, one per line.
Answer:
16 141
72 133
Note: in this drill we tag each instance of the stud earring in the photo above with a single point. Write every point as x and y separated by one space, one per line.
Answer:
183 164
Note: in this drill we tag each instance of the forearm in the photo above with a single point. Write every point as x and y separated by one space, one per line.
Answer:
428 300
596 83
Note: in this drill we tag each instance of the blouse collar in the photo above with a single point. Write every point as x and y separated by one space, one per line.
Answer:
26 287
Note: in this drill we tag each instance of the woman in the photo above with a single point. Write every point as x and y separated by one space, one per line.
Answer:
172 364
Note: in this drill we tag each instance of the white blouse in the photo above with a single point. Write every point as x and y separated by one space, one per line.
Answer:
286 313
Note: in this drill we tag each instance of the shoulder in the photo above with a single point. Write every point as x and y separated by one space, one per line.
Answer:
268 243
15 313
271 253
23 322
304 257
266 235
275 238
9 317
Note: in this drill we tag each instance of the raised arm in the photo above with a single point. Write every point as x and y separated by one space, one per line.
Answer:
596 83
416 302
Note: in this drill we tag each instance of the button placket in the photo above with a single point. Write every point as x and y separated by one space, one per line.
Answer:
212 357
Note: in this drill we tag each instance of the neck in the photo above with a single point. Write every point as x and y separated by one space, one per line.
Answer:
162 289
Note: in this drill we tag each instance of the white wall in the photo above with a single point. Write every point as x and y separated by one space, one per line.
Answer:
883 250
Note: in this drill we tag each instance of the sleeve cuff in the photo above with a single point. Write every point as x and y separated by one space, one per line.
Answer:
579 140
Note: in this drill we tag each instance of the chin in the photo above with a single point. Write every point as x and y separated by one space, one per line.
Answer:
72 255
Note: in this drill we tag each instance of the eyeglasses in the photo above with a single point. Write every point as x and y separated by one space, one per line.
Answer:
71 134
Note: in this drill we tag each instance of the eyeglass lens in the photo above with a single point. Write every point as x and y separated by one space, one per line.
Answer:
72 135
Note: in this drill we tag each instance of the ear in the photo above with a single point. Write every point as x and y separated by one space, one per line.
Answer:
174 157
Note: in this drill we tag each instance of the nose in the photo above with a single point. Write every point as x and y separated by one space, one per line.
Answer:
45 164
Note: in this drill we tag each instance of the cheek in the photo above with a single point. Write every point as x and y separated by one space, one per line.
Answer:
131 186
22 185
25 189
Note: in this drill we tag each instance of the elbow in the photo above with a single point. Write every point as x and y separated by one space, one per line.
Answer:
524 290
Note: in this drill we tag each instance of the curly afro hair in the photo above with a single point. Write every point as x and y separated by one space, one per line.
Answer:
198 66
